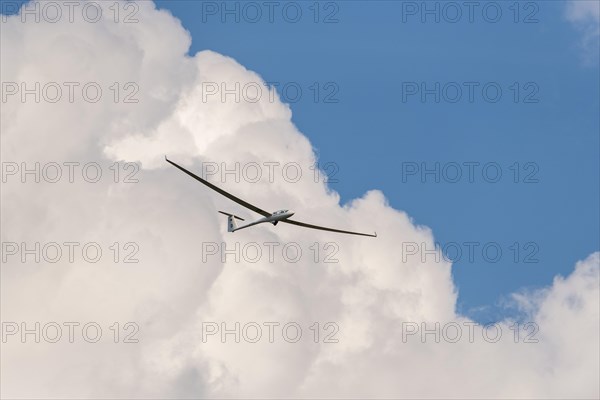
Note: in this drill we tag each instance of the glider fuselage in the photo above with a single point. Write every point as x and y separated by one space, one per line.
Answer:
273 218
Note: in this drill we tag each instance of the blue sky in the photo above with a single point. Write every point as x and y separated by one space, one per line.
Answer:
370 54
370 132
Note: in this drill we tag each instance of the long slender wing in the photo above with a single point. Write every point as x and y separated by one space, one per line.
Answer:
221 191
289 221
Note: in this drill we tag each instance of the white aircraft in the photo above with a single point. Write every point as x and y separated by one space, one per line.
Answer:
274 218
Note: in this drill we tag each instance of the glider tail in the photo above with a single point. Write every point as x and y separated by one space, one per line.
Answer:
231 225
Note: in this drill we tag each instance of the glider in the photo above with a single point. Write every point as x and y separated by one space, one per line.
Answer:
274 218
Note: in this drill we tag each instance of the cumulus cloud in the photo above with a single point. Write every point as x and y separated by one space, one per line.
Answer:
374 297
585 16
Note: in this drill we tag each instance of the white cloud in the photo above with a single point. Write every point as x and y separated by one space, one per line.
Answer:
585 16
171 292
